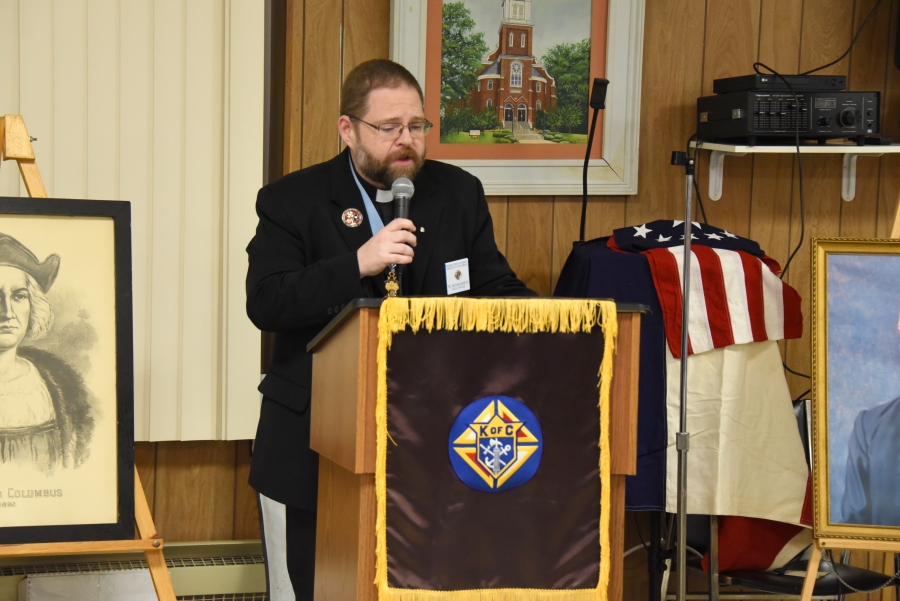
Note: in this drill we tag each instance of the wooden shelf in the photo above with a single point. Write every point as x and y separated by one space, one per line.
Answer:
851 153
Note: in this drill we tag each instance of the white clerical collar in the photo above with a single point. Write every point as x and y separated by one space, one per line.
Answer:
383 196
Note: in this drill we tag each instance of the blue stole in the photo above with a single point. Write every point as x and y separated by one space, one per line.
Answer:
375 221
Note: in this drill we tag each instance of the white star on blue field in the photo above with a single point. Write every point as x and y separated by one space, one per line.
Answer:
641 231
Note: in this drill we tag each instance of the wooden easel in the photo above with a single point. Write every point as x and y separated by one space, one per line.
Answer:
15 144
823 544
895 230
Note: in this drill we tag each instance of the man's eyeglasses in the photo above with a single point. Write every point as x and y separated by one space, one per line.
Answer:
417 129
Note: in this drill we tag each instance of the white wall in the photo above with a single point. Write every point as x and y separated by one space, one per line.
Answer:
158 102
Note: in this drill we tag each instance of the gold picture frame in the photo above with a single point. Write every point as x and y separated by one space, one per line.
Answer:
855 387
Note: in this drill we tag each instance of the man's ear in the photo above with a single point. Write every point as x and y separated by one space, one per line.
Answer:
347 131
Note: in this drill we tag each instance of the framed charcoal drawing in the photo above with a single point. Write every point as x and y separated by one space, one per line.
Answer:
66 371
507 85
856 388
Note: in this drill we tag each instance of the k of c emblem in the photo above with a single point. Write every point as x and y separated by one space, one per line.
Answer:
495 444
352 217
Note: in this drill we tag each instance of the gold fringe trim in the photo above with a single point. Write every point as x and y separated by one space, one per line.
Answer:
520 316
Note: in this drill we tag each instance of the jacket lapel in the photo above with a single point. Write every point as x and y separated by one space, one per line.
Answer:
425 212
345 196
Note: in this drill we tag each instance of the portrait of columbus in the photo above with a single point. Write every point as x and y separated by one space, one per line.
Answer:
46 419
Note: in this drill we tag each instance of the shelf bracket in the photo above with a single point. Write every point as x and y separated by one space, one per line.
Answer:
717 169
848 174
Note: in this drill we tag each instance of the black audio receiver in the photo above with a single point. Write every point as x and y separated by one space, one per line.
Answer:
763 82
755 116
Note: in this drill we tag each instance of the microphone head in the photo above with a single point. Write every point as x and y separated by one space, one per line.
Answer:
598 93
402 187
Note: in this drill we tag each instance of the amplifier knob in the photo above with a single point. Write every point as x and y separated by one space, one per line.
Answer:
824 121
849 117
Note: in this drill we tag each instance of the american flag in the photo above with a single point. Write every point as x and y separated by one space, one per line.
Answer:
736 294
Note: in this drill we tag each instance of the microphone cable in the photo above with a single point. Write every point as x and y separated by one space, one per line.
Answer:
756 67
852 42
797 108
596 101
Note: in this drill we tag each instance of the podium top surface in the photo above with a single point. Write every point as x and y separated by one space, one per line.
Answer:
374 303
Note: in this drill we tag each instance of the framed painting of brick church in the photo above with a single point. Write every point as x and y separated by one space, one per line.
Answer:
507 85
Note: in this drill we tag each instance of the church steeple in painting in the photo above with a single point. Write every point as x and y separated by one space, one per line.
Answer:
516 11
513 82
515 71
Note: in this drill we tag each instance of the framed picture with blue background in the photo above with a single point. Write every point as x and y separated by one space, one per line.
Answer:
856 387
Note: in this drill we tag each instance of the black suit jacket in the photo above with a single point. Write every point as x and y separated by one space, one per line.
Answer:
303 270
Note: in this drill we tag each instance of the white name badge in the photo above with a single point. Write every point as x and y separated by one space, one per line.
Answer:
457 276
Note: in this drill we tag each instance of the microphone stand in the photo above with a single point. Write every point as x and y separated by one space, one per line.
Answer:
683 437
597 102
584 194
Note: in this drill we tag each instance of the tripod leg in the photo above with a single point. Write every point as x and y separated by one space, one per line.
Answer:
655 565
713 558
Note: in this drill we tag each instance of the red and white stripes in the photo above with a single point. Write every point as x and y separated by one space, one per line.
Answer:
735 298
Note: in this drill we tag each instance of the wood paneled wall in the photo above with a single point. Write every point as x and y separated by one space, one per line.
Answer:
198 490
687 44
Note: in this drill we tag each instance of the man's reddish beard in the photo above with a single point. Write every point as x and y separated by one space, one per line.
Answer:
385 172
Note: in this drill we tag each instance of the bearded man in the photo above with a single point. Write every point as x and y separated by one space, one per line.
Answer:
327 235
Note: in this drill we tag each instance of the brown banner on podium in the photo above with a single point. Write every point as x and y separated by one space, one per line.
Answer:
493 456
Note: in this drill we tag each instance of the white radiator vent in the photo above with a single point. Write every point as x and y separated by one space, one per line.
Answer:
206 578
122 585
72 568
197 562
132 585
136 564
236 597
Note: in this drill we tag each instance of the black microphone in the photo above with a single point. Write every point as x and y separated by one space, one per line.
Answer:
598 93
403 190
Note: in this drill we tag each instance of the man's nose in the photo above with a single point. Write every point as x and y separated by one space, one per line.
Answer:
5 308
405 138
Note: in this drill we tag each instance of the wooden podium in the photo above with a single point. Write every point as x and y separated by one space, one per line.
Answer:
343 433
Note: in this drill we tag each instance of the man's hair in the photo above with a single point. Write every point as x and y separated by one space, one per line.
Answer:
41 312
373 75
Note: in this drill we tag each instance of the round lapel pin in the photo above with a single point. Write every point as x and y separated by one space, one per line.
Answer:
352 218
